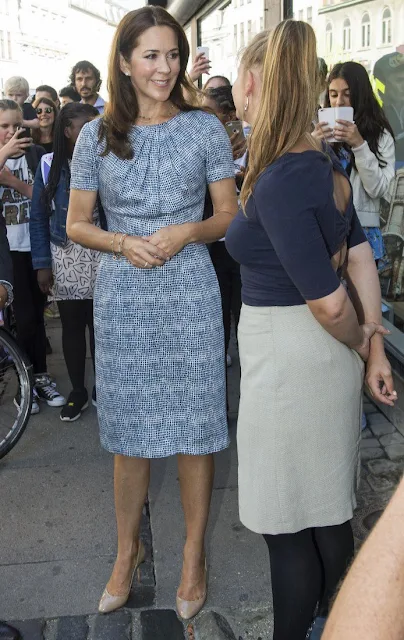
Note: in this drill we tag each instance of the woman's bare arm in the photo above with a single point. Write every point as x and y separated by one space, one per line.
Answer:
364 289
370 603
174 238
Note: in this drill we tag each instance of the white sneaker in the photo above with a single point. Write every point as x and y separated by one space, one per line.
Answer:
229 361
46 390
35 405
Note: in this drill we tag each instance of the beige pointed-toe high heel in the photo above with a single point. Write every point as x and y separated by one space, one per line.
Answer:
188 609
109 602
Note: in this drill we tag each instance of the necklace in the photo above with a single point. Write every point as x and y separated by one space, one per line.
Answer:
171 111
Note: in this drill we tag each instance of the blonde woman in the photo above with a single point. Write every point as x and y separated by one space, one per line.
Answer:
303 343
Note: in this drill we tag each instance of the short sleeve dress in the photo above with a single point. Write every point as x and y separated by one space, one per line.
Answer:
160 369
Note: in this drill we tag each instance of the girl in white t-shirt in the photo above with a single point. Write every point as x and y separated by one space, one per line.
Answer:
16 179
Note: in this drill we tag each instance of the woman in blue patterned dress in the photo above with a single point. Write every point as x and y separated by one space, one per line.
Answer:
160 369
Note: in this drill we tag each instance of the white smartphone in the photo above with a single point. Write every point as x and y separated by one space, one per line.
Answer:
204 50
331 114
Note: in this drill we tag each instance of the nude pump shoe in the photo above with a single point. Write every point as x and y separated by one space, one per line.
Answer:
109 602
188 609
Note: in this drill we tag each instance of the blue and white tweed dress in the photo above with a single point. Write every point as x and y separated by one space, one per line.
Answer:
160 370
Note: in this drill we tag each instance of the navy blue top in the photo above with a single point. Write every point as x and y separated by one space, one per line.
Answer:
291 230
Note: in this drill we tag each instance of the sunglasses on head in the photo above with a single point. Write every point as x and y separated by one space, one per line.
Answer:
46 110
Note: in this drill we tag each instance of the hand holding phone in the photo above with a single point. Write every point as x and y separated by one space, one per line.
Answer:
330 116
235 128
18 144
203 51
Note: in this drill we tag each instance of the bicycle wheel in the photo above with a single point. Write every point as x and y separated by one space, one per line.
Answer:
16 385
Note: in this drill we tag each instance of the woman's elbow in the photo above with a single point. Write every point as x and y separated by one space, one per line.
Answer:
71 230
330 310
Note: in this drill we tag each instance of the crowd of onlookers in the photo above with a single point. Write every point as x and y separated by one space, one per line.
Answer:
29 139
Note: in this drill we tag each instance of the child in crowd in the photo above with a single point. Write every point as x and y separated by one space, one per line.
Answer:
17 89
16 180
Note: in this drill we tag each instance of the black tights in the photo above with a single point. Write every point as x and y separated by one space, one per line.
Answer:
75 316
306 568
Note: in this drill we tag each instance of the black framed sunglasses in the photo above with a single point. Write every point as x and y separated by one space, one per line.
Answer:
39 110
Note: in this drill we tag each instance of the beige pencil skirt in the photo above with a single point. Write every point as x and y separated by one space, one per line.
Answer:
299 422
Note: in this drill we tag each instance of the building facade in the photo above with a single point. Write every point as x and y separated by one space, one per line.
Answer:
225 27
42 39
360 31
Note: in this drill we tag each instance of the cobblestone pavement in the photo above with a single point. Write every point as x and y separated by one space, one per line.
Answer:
41 457
382 448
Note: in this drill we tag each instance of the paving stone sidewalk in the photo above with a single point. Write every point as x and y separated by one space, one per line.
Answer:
382 449
57 540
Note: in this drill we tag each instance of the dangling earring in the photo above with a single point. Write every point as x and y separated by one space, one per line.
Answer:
127 73
247 102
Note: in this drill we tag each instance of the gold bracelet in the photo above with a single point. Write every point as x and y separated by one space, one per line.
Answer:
120 245
112 245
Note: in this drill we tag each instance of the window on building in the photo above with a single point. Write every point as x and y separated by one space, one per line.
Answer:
300 14
241 3
5 45
346 35
365 31
235 39
386 26
249 31
261 24
328 37
242 41
310 15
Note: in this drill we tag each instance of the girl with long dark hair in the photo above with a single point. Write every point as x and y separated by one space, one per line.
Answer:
46 112
365 146
64 267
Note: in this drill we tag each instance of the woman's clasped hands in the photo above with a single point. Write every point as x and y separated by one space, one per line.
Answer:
155 250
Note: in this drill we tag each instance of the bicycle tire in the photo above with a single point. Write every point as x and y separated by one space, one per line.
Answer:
25 376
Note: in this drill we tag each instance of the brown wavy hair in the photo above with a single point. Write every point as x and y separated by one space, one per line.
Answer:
290 89
36 133
122 109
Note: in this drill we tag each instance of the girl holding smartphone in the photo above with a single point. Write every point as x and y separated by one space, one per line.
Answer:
365 147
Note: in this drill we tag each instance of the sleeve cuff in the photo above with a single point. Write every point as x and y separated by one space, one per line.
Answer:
361 146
